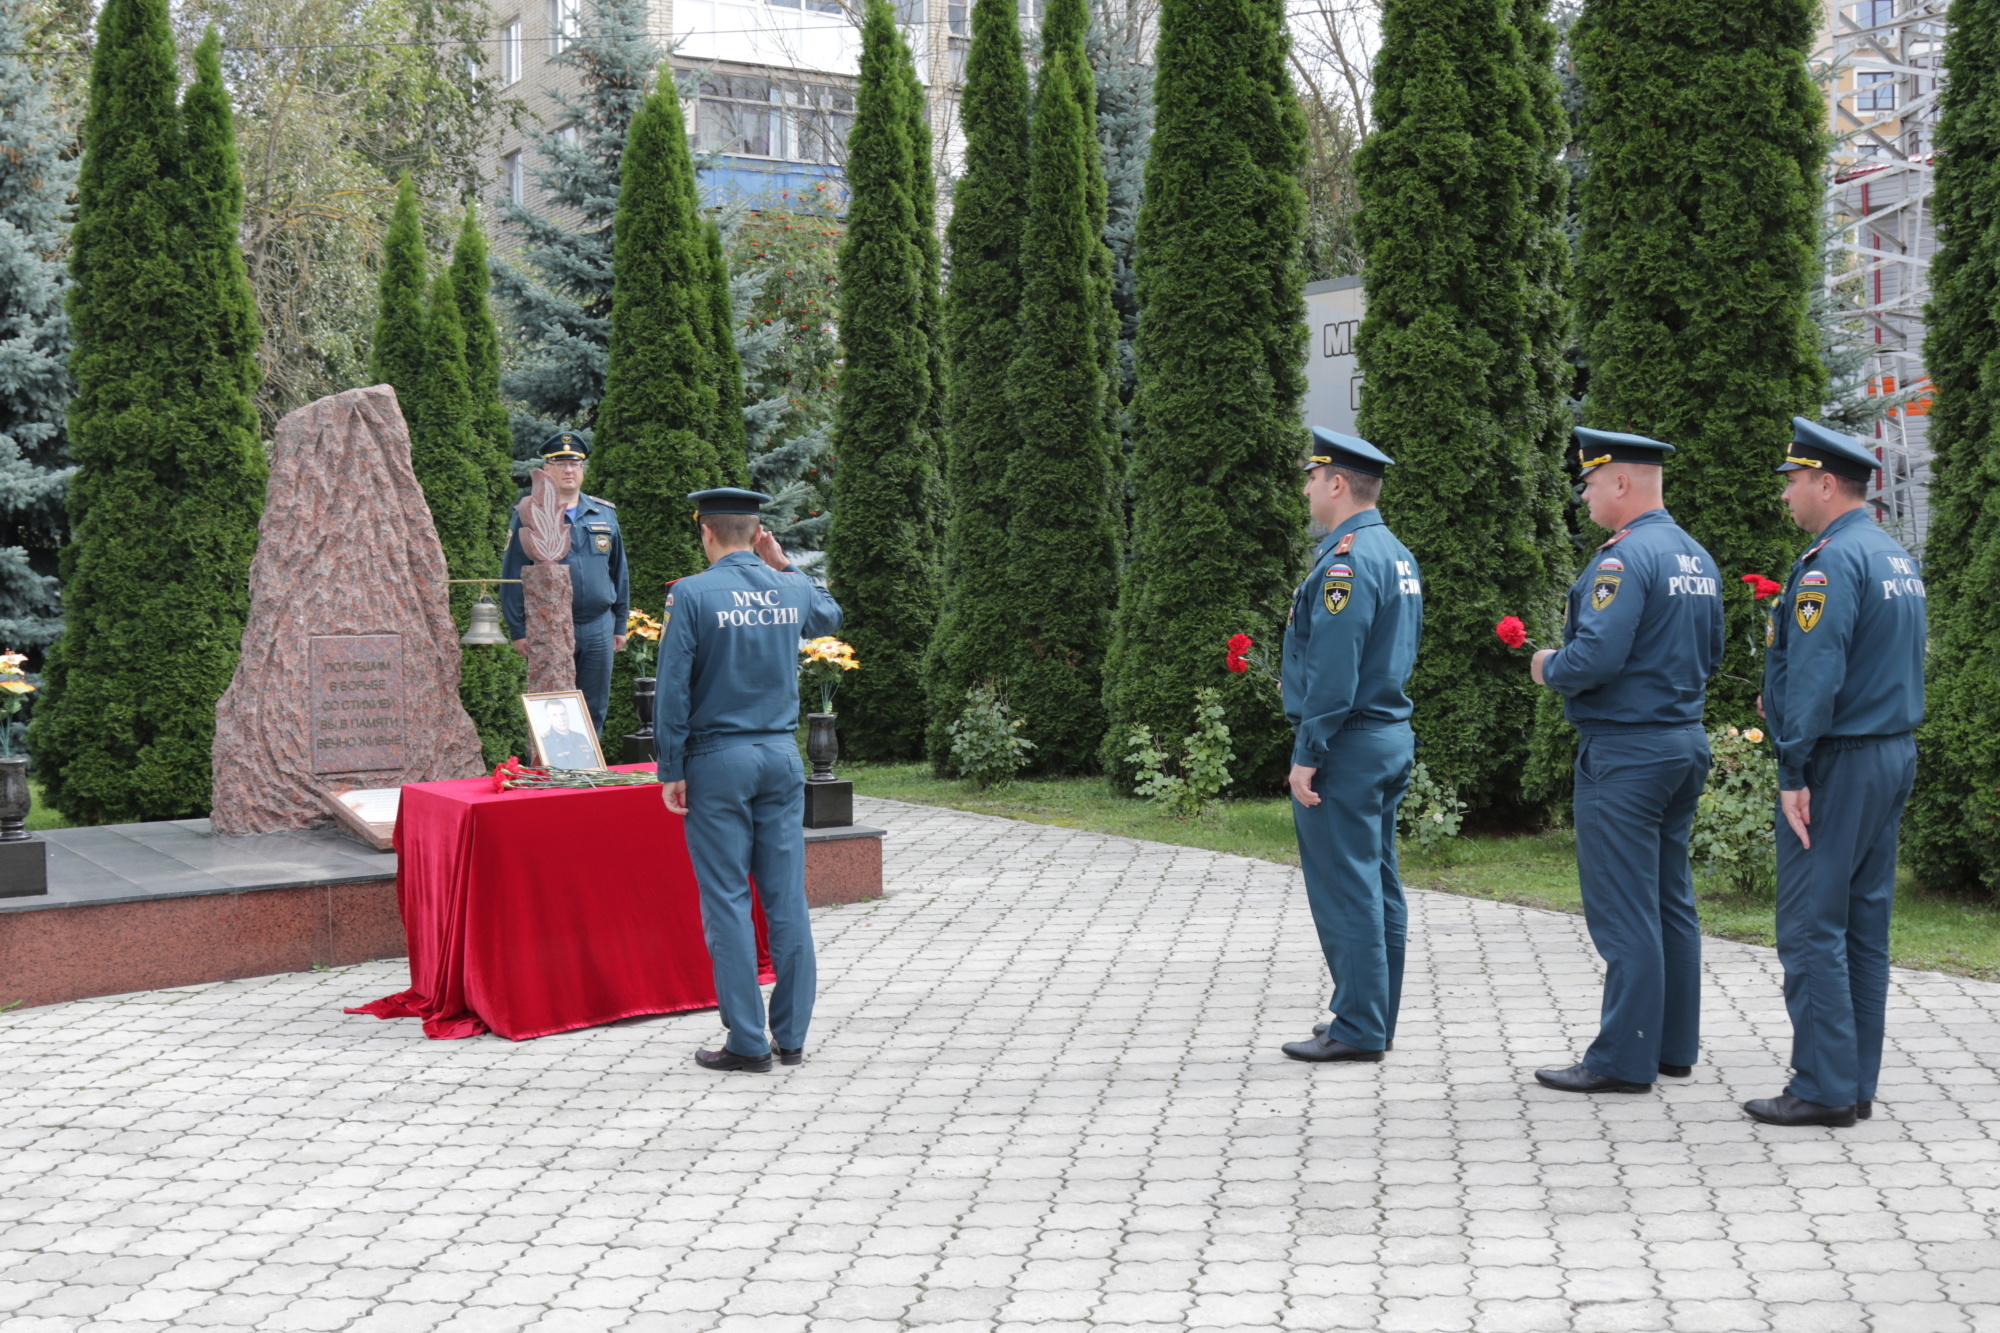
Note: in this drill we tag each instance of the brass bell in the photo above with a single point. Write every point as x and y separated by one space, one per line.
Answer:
485 628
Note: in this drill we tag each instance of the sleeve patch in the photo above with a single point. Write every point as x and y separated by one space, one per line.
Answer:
1612 564
1808 610
1604 591
1336 594
1812 578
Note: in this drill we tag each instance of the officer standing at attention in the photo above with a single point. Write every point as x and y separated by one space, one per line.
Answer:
600 592
1642 635
1843 690
724 718
1350 646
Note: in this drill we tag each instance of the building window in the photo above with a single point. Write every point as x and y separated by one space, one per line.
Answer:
743 116
1874 13
811 6
510 173
956 14
510 53
565 23
911 13
1874 90
1031 16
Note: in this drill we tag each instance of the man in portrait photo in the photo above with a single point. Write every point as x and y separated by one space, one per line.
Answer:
563 745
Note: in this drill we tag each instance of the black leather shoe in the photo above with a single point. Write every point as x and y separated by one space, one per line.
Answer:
795 1055
724 1061
1862 1110
1578 1079
1323 1048
1785 1109
1319 1030
1676 1071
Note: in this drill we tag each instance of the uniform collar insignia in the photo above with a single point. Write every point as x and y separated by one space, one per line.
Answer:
1346 545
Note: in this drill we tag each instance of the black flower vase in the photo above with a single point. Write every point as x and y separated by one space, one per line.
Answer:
24 858
638 747
829 800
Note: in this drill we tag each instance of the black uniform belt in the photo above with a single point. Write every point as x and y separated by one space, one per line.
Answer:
1858 742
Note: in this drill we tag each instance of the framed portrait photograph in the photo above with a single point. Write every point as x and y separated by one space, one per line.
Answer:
560 725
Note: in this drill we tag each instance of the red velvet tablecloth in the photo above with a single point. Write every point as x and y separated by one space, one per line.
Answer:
531 912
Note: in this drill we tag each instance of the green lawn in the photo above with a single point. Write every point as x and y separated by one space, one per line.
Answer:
1930 931
41 816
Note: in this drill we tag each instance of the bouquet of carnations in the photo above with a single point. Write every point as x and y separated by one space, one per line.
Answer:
513 776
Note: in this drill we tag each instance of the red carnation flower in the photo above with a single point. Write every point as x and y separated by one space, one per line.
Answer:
1761 587
1511 631
1239 645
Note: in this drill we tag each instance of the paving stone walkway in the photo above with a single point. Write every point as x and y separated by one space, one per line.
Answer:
1043 1094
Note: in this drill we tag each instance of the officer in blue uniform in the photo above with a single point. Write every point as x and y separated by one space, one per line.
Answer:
724 720
1642 636
600 590
1843 690
1350 647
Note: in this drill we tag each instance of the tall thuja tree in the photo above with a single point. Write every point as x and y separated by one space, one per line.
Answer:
1218 521
559 297
163 509
35 184
930 308
1061 555
1549 275
1696 268
882 546
397 350
726 433
1124 132
657 423
1953 829
989 209
1453 256
471 280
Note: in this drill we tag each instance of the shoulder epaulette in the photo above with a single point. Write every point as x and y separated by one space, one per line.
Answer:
1346 545
600 500
1616 537
1817 547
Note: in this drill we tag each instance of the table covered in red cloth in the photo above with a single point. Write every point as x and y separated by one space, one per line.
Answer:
531 912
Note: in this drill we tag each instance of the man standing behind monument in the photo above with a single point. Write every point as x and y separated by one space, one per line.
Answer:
1642 636
724 719
600 590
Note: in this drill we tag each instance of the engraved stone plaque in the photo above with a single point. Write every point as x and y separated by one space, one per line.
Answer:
358 709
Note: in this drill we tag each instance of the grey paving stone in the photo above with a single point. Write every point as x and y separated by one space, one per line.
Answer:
1043 1094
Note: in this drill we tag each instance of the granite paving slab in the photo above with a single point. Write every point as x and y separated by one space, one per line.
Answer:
1042 1094
120 863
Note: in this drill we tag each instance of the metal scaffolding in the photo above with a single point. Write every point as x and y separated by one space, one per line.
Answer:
1881 75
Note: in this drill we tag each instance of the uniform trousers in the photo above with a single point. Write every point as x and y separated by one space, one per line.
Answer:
1833 913
1635 801
746 820
1347 849
593 668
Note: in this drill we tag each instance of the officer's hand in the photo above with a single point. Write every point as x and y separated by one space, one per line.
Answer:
1535 663
770 552
1302 785
618 643
676 796
1797 806
1760 707
521 647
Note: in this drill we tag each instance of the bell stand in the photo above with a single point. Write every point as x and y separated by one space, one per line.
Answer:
483 627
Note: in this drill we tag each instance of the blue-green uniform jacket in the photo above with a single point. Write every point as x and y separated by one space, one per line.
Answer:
1845 644
1351 642
1643 633
729 659
598 579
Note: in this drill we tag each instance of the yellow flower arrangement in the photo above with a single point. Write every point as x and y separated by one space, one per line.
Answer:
14 689
640 626
822 662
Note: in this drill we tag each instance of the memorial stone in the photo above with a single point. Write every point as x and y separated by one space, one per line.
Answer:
545 589
349 671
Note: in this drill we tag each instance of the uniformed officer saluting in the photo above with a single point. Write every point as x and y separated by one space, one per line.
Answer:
724 718
1642 636
600 592
1843 690
1349 650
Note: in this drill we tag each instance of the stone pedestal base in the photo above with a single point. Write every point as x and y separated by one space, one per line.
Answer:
545 593
635 749
829 804
24 868
843 865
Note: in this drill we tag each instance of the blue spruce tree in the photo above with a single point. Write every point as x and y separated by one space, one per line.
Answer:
35 185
